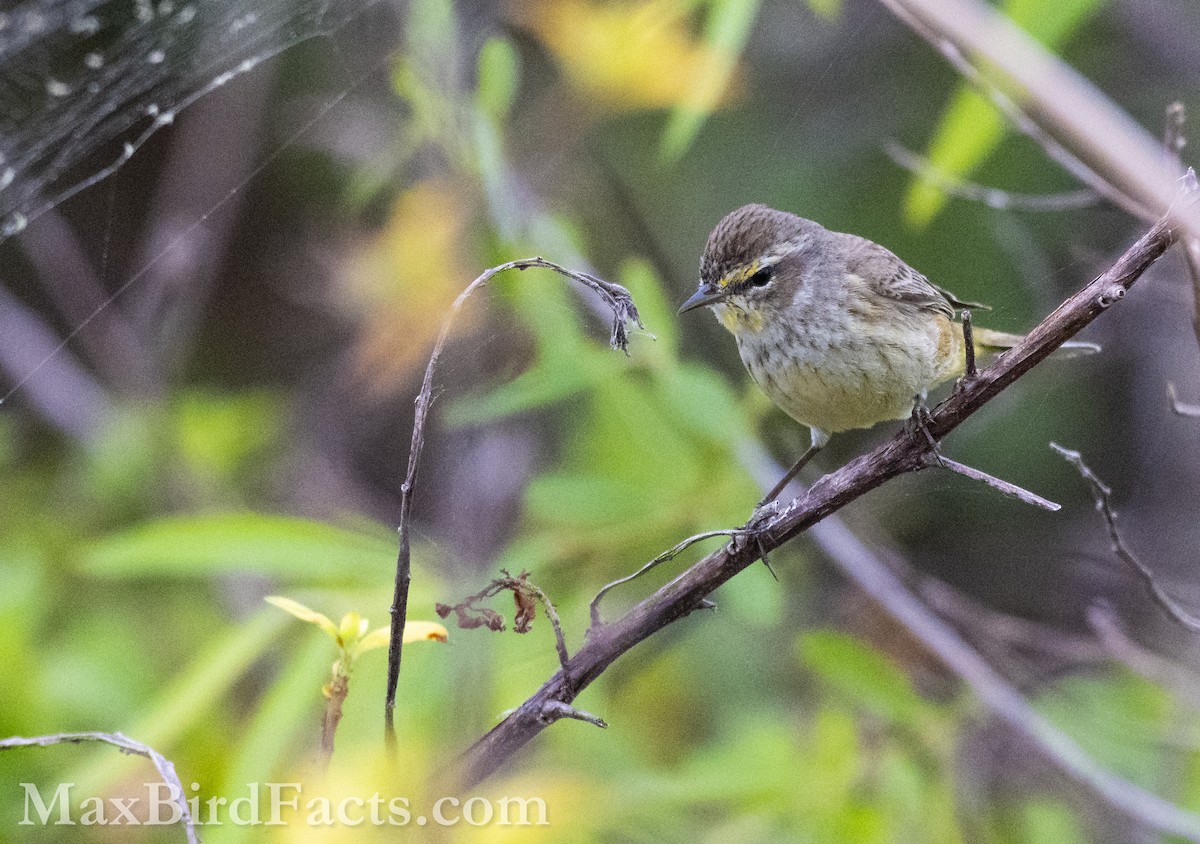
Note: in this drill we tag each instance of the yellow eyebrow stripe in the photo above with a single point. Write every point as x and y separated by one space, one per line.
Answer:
738 275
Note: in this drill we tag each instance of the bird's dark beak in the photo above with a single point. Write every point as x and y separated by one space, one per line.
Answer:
701 298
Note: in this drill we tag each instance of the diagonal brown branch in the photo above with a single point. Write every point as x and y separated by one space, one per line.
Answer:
903 453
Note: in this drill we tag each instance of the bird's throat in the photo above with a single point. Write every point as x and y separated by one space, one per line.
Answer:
737 319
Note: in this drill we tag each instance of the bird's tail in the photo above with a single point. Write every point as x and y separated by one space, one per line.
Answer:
987 340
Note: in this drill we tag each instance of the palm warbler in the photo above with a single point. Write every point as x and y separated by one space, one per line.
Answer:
838 331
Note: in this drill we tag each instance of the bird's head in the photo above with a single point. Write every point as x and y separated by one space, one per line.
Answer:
753 266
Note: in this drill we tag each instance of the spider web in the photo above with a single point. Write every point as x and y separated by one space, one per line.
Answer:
85 79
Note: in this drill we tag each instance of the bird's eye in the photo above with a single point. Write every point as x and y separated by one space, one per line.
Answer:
760 279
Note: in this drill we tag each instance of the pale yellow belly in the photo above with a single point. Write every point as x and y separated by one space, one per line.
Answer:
840 382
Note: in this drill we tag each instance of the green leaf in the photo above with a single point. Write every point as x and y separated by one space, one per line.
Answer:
700 401
970 128
1117 719
1048 822
539 387
190 697
726 31
277 728
216 433
827 9
499 76
863 675
583 500
202 546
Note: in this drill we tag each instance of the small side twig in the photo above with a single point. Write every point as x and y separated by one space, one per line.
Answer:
1102 494
664 557
164 766
556 710
1001 200
624 311
998 484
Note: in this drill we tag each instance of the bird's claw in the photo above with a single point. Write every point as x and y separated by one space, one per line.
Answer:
919 422
764 515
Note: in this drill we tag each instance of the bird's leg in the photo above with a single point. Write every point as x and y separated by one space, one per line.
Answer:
919 421
970 370
767 509
819 438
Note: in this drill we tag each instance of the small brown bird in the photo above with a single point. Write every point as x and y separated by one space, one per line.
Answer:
838 331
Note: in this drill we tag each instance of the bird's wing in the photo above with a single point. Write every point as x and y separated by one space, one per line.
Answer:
894 279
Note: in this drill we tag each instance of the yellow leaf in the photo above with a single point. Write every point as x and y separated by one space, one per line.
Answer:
304 613
402 283
629 55
353 626
414 631
424 631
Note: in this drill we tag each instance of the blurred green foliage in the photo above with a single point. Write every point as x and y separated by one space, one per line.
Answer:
133 567
971 128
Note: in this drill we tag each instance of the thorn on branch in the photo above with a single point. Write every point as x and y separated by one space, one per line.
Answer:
1102 495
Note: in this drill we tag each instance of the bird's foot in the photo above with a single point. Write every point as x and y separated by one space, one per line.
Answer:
761 520
919 422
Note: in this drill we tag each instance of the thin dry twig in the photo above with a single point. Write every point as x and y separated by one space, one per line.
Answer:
903 453
664 557
998 484
164 766
624 311
1001 200
1102 494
